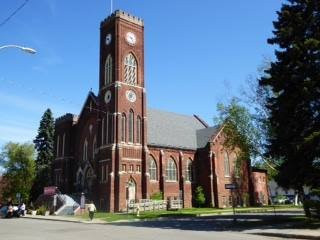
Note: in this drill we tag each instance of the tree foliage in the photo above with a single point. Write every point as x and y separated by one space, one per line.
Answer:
19 167
294 105
44 144
239 129
200 198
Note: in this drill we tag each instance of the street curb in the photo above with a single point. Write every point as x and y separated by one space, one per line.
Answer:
285 235
64 220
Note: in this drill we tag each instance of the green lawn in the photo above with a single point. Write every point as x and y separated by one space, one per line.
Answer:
191 212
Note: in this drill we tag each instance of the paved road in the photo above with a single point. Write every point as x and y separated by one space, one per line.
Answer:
30 229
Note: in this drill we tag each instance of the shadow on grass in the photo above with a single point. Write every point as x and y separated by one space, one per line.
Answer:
227 223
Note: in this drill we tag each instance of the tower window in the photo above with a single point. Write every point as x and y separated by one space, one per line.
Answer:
107 128
138 129
123 127
171 170
102 132
108 70
131 121
130 69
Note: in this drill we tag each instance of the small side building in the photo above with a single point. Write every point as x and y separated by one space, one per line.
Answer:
260 186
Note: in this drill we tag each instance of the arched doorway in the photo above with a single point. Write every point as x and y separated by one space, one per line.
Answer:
131 196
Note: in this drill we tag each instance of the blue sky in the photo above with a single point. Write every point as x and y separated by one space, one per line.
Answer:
197 53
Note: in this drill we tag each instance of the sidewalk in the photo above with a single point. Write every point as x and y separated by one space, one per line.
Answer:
286 233
65 219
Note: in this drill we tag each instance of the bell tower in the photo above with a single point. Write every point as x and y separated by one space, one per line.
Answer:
122 98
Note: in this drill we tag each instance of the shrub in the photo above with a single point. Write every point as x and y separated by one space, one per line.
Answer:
157 196
41 210
200 198
311 208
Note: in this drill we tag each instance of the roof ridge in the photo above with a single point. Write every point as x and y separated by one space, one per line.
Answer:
166 111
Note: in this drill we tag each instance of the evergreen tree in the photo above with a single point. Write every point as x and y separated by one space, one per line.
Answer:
19 170
44 144
294 105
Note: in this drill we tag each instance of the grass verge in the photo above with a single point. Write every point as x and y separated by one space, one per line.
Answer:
191 212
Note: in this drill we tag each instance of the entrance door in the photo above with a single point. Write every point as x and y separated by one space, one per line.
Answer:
131 191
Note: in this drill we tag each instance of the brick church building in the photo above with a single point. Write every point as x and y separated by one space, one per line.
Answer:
117 149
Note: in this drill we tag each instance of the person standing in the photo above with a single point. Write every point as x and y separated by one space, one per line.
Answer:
91 209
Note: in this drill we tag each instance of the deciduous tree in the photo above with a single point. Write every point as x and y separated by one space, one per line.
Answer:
19 169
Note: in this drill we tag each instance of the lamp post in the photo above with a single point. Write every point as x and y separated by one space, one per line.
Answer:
22 48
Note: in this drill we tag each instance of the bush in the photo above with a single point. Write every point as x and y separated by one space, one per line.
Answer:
312 208
157 196
41 210
200 198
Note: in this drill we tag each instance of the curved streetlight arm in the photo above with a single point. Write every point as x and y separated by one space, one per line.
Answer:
25 49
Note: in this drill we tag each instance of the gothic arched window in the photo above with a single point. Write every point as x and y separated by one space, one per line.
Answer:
153 169
130 69
63 143
123 127
171 170
108 70
58 143
138 129
226 165
189 171
94 146
131 122
85 151
102 132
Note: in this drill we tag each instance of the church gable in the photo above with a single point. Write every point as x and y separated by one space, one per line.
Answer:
90 105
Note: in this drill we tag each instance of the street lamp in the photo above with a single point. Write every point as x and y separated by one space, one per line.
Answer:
25 49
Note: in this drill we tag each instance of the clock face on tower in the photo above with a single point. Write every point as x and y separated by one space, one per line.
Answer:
107 97
131 96
108 38
131 38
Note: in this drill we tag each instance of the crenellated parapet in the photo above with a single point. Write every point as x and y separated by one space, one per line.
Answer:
123 15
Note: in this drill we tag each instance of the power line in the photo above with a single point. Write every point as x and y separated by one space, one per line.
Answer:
14 13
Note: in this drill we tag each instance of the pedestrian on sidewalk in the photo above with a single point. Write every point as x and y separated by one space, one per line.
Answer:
91 209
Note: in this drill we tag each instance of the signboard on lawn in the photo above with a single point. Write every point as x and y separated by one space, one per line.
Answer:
50 190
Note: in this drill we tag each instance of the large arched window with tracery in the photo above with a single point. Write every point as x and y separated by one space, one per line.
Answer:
153 169
131 122
171 170
123 127
108 70
130 69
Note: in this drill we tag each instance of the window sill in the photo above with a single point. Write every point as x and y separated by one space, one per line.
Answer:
171 181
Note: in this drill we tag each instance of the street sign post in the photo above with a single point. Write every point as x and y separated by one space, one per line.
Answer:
232 186
55 202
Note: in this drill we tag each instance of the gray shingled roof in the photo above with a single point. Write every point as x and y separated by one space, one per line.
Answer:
168 129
